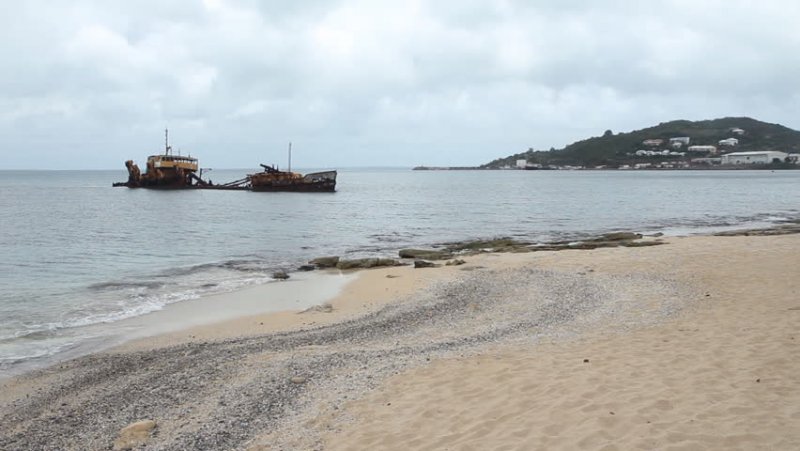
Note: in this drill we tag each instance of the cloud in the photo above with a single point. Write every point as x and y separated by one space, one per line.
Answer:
376 83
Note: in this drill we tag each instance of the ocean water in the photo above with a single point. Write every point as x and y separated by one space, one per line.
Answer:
77 252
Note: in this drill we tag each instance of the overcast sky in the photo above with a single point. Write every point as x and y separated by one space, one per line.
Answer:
89 84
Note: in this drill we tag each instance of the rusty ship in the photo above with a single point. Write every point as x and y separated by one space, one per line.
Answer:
272 179
164 171
170 171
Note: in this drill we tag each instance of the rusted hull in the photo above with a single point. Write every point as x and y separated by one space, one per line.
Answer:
271 180
158 185
304 188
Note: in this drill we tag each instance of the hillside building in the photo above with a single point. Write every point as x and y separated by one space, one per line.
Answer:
654 153
763 157
737 131
709 149
683 140
730 142
652 142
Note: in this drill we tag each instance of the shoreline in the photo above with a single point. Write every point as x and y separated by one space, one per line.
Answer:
419 325
54 345
268 298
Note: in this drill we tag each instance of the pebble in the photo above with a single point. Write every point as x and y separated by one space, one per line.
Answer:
134 434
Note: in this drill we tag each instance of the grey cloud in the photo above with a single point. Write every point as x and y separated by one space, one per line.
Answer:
376 83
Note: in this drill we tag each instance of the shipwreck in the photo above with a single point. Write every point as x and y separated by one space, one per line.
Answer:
170 171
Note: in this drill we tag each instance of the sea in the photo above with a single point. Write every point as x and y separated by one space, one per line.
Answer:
76 253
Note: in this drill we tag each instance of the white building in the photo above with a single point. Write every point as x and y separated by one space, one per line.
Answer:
737 131
652 142
684 140
710 149
652 153
729 142
521 163
765 157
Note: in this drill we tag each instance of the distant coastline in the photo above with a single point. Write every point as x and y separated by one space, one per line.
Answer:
752 167
446 168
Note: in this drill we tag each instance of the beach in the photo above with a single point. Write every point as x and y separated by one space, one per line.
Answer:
685 345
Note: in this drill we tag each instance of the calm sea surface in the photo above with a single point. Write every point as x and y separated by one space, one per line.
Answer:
76 252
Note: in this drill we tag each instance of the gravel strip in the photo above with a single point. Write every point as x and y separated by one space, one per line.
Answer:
231 394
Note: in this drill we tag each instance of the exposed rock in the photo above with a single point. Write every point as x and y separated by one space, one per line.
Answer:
786 229
325 262
424 264
134 434
497 245
456 262
363 263
618 236
594 243
325 307
426 254
306 268
280 275
642 243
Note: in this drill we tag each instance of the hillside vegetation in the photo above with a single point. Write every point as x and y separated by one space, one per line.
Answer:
615 149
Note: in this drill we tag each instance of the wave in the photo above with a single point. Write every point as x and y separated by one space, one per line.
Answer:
182 276
115 285
721 224
238 265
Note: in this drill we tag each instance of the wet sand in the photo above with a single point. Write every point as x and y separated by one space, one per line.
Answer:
688 345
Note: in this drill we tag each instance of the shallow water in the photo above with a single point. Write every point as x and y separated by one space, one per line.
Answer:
77 252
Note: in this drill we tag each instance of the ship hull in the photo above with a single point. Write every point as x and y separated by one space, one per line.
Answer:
305 188
317 182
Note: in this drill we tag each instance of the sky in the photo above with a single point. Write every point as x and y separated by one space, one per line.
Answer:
89 84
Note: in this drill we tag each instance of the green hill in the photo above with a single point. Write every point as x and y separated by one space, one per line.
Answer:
616 149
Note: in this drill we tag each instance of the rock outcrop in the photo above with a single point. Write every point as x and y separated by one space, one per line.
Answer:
325 262
426 254
364 263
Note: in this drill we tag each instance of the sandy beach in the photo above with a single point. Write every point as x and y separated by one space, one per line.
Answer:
686 345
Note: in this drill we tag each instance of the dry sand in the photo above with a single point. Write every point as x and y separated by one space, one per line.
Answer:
690 345
724 375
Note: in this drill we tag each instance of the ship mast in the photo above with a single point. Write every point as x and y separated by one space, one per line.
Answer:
290 156
167 148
